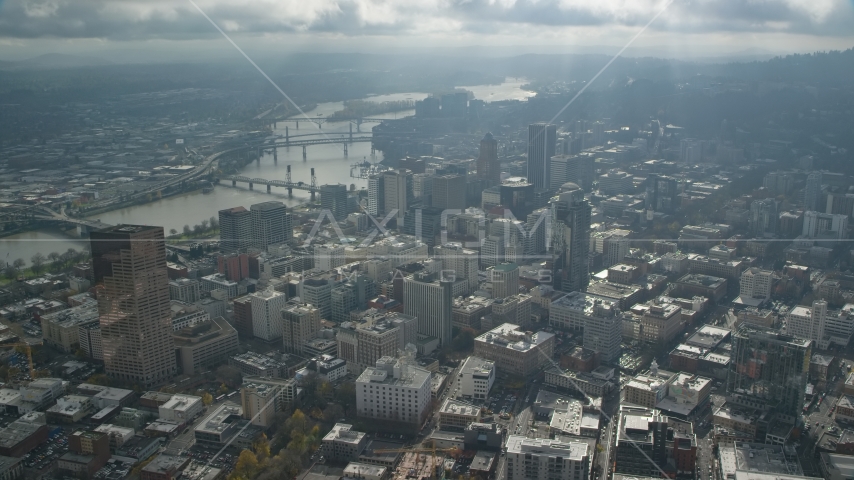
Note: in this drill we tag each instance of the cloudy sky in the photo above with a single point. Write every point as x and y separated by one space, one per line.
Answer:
167 28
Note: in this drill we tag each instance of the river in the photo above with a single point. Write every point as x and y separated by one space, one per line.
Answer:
25 245
329 162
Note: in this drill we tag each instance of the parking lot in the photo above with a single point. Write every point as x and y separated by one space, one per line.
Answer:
226 460
43 455
114 471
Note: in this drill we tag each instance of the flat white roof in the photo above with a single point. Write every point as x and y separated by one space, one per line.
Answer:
181 403
576 451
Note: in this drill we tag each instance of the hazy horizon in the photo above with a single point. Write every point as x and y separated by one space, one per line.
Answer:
160 31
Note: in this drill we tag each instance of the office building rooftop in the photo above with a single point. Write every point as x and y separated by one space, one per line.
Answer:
576 451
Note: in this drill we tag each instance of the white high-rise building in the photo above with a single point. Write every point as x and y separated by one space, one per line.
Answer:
504 278
461 261
807 323
266 319
564 168
317 291
756 283
327 257
598 319
300 323
429 300
612 244
395 391
184 290
398 192
476 378
823 326
376 195
546 459
492 251
825 225
400 249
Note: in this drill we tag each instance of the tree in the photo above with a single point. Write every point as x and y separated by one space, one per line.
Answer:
261 447
333 413
346 395
674 227
222 389
247 464
197 229
204 225
324 389
19 264
229 375
99 379
186 229
55 264
207 399
283 465
214 223
10 271
37 262
173 232
297 423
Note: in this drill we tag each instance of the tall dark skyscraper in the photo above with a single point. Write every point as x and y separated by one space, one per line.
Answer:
334 199
271 224
812 192
429 299
662 193
135 315
541 149
571 231
235 230
488 167
449 191
769 368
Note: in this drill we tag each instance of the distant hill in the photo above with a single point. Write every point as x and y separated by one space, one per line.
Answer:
54 60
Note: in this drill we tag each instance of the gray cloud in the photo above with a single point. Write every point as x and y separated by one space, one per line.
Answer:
176 19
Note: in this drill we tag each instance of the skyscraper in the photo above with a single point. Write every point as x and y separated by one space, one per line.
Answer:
398 192
763 217
423 223
235 230
488 167
300 323
271 224
662 193
429 300
571 228
770 368
376 195
504 278
134 309
812 192
449 192
266 308
334 199
460 262
541 149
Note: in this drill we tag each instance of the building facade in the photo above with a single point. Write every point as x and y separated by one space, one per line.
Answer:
429 300
135 315
545 459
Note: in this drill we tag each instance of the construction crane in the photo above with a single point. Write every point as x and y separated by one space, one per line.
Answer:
29 350
432 451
